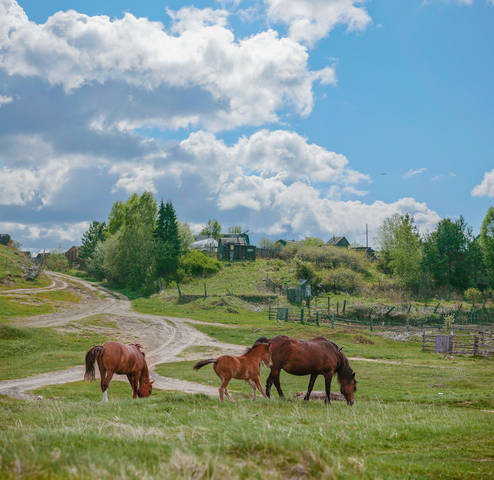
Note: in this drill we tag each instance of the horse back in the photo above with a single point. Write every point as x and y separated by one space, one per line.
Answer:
122 358
302 357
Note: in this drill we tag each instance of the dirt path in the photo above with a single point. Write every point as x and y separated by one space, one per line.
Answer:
163 338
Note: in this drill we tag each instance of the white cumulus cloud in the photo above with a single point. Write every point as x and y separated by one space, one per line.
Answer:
225 82
486 187
311 20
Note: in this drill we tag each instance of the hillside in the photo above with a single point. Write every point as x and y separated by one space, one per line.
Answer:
13 266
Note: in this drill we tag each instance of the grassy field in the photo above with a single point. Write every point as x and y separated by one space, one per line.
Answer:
172 435
27 351
416 415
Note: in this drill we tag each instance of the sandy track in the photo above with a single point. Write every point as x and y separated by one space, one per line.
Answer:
163 338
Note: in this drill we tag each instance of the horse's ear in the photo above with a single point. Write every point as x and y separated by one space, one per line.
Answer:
353 374
341 348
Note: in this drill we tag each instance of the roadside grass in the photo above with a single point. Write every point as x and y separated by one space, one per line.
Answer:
173 435
11 307
230 310
28 351
102 320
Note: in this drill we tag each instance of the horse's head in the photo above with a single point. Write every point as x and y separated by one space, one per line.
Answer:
145 388
266 357
348 387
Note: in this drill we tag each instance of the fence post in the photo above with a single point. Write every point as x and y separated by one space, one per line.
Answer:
269 311
332 319
344 306
328 306
179 292
371 324
286 315
302 316
408 324
317 318
423 339
205 290
476 345
337 307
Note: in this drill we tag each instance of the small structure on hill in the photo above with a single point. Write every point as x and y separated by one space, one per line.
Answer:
72 254
338 242
235 246
206 244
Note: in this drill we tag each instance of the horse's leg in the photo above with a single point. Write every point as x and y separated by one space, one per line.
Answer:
223 388
105 384
312 380
327 379
269 382
133 383
102 376
277 383
253 385
259 387
227 393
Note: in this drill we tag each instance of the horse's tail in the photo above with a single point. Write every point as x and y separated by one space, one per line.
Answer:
91 356
201 364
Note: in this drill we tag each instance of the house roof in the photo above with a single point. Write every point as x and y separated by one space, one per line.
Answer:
338 241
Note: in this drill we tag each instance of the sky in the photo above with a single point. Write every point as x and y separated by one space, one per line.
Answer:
291 118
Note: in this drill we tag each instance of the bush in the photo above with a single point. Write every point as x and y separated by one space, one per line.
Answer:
197 264
326 256
57 262
473 295
341 279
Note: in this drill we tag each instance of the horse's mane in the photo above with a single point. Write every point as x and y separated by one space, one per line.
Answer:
259 341
344 371
139 348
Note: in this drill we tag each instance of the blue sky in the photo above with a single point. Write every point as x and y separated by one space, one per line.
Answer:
288 117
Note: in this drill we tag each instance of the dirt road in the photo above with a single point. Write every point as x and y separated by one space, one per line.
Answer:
163 338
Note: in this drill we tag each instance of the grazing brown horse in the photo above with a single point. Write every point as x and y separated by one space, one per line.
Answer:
311 357
116 357
245 367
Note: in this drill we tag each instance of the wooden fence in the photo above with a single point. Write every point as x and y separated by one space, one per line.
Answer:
479 343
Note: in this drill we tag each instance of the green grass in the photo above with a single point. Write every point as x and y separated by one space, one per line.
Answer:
27 351
462 384
11 307
230 310
172 435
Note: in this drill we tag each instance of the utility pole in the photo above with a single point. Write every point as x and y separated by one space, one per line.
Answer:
366 235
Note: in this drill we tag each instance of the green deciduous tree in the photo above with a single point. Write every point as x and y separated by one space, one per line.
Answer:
446 254
185 236
487 244
401 250
212 229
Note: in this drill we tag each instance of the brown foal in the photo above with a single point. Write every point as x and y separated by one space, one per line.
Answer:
244 367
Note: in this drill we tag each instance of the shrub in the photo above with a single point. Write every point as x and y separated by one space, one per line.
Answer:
341 279
197 263
473 295
326 256
57 262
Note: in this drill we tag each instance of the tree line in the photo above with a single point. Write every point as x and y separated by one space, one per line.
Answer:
449 257
141 245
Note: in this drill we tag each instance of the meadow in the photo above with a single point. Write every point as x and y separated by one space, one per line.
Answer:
417 415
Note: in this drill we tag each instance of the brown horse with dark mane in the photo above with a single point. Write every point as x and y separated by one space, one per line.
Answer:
122 359
311 357
245 367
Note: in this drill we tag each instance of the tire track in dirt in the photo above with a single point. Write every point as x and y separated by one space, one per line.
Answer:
163 338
